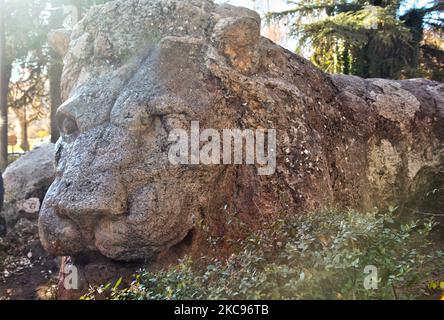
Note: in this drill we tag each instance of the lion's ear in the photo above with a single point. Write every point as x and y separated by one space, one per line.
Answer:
59 41
237 37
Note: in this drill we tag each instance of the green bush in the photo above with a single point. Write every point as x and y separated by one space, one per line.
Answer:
321 255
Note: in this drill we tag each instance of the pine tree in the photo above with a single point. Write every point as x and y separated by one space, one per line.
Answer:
365 38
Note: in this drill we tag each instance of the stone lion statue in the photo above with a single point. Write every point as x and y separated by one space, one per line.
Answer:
137 70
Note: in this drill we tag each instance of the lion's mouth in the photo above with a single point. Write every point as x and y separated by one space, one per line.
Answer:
119 223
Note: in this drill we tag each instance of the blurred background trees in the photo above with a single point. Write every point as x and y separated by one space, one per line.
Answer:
31 70
376 38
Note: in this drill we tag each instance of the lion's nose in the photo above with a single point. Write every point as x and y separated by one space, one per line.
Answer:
58 236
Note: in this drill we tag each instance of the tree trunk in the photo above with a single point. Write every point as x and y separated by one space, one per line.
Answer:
23 121
5 74
24 134
55 75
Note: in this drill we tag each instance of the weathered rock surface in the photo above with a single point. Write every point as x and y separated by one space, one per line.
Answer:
30 175
136 70
59 41
26 181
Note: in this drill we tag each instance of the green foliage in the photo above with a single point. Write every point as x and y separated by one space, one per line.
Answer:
28 57
26 30
366 38
321 255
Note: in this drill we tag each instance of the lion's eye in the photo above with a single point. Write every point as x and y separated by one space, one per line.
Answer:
69 126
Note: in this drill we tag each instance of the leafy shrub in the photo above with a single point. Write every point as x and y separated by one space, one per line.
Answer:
321 255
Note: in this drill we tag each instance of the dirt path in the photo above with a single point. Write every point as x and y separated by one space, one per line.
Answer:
26 270
31 283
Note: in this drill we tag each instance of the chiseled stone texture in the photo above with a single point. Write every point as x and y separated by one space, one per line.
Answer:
135 70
